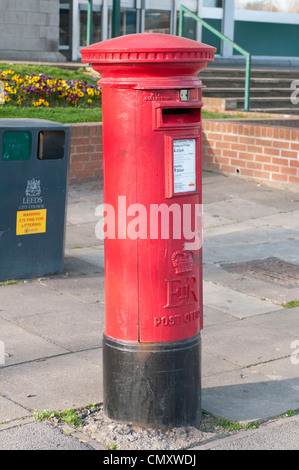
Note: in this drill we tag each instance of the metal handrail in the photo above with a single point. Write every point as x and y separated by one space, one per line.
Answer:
247 55
89 22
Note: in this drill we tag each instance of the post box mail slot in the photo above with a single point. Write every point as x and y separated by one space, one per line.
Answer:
179 116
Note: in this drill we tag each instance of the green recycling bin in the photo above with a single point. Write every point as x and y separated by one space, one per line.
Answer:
34 159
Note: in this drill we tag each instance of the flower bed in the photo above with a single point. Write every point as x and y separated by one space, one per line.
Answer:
43 91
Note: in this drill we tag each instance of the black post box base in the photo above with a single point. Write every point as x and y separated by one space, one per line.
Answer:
153 384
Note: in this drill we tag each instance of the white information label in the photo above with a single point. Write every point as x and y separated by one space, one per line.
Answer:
184 165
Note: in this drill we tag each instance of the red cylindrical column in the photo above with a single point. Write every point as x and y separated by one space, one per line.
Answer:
152 191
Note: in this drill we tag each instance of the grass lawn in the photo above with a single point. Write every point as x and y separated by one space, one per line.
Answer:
75 114
63 115
71 113
211 115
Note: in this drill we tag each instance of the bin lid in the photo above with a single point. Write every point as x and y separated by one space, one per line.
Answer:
148 48
30 123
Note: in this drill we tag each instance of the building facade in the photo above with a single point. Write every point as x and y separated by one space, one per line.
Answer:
29 30
55 30
268 28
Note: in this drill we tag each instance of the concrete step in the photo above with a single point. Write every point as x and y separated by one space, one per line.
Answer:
270 89
285 111
268 103
255 73
254 92
213 81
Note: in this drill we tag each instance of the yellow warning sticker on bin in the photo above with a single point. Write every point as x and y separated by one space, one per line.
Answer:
33 221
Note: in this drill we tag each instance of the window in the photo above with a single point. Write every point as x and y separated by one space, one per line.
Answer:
64 25
96 25
279 6
212 3
189 27
128 19
157 21
65 28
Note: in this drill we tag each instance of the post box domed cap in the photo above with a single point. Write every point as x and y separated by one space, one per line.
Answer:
147 48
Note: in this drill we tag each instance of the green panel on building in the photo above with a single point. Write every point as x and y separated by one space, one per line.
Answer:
268 39
210 38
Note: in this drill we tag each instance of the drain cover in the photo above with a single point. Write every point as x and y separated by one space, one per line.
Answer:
270 269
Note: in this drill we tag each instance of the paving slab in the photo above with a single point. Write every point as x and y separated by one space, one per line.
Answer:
10 410
214 316
211 220
246 343
285 369
285 321
279 435
84 288
92 256
281 200
78 266
22 345
239 210
261 289
33 298
245 395
38 436
67 330
251 245
76 234
89 191
214 363
235 303
217 227
286 220
54 383
52 326
82 212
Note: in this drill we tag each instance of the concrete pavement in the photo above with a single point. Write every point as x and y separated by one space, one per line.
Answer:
52 327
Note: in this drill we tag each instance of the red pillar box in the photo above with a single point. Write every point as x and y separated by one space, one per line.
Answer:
152 105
